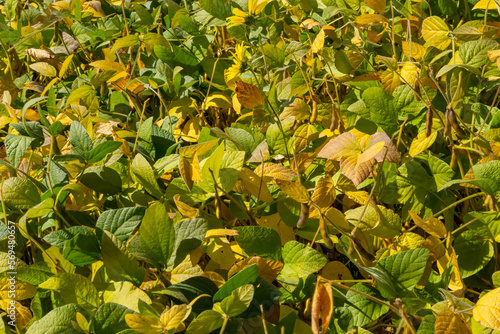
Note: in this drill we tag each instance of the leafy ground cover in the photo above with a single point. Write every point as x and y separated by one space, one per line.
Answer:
251 166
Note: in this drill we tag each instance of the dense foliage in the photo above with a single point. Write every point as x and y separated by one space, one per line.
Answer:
256 166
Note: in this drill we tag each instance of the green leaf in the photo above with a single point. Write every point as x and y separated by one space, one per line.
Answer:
82 250
125 42
73 288
104 180
100 151
205 323
157 235
475 53
58 238
58 321
362 309
144 173
473 252
189 235
80 139
405 269
262 241
121 222
15 146
20 193
337 63
381 107
490 172
232 162
110 318
405 102
217 8
210 169
55 128
119 263
300 260
246 276
238 301
441 171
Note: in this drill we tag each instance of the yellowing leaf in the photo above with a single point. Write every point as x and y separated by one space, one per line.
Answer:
200 149
248 95
301 161
448 322
422 142
65 66
173 317
295 190
144 324
376 5
487 310
220 232
371 152
319 42
433 226
268 268
413 50
435 32
304 135
23 290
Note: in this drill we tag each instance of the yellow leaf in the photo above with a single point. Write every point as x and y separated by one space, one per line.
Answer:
433 226
482 4
336 271
106 65
276 223
409 73
200 149
219 250
448 322
126 294
301 161
248 95
274 171
144 324
324 192
173 317
23 290
422 142
184 209
304 135
376 5
268 269
487 310
413 50
218 100
372 19
435 32
319 42
344 145
295 190
371 152
44 69
390 80
65 66
456 282
322 306
185 270
253 183
220 232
